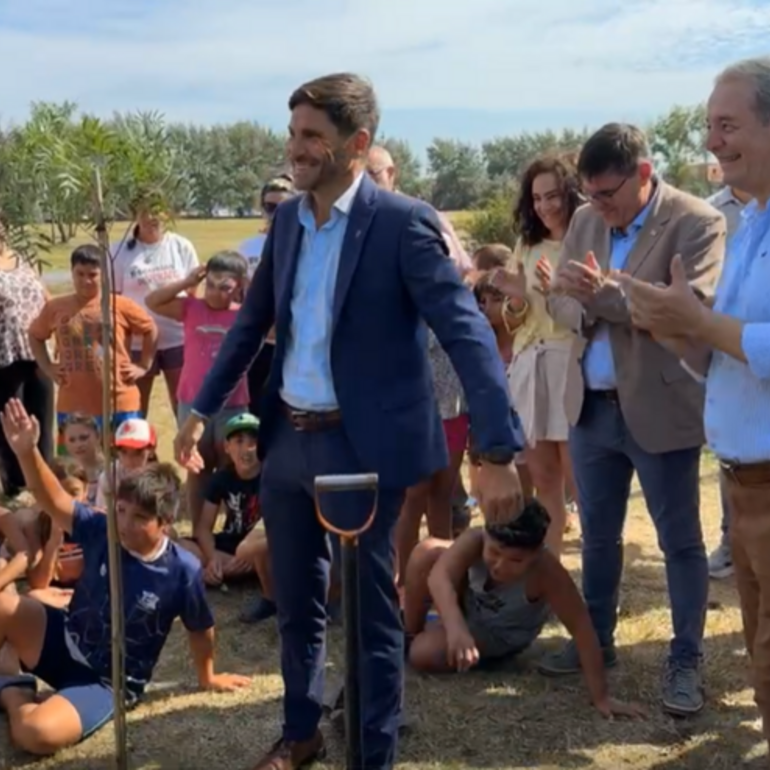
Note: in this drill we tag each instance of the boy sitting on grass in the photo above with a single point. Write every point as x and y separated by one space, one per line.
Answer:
493 588
70 651
239 549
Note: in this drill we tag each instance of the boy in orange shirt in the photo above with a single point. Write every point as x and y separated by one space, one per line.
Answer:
75 322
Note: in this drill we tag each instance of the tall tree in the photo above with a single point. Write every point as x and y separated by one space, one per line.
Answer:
678 142
459 176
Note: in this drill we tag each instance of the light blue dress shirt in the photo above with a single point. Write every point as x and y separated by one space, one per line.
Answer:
307 371
737 412
598 362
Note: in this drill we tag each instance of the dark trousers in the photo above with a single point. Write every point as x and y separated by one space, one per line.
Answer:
257 377
300 559
25 381
604 457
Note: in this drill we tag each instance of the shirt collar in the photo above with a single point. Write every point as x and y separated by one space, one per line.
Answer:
343 204
638 221
724 197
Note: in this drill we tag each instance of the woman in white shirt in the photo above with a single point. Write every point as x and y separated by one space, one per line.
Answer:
150 258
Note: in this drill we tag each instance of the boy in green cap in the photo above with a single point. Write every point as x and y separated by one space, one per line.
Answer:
239 549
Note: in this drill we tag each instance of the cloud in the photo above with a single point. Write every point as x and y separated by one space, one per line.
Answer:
213 61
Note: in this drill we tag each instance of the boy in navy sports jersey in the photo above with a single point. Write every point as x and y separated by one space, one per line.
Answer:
71 651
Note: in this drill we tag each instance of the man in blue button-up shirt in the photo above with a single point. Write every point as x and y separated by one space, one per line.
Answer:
730 345
631 408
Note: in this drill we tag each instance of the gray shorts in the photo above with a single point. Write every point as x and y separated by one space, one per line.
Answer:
496 636
214 434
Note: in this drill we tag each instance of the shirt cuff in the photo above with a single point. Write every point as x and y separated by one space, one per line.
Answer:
199 415
697 376
755 341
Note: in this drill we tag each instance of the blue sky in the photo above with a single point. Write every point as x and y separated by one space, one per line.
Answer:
473 70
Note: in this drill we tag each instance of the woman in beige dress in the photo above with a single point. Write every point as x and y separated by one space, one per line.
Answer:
549 195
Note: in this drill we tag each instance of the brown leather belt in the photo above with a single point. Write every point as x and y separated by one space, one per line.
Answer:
746 474
312 422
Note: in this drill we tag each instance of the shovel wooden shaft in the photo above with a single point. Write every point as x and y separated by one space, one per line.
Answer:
351 604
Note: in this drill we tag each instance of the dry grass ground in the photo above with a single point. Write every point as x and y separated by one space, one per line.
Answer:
510 719
503 720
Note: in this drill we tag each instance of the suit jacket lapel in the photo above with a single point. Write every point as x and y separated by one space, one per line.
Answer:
359 220
285 260
651 230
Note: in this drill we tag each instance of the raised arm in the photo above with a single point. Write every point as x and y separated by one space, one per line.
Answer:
22 433
168 301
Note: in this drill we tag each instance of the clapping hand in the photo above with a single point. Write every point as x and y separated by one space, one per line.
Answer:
579 280
665 311
512 283
22 432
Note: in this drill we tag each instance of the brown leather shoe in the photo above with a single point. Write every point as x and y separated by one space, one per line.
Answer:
293 755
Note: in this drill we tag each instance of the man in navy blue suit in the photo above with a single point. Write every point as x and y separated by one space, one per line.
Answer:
348 274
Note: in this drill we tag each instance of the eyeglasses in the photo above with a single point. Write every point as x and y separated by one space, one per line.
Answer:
605 195
225 285
374 173
269 208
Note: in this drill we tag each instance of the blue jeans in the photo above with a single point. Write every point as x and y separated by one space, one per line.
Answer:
300 555
604 457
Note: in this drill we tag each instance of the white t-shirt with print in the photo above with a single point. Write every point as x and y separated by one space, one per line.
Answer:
147 267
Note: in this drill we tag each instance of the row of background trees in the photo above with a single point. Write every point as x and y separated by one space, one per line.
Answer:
47 167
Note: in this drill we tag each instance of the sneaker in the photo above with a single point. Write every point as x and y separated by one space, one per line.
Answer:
260 610
721 562
682 690
567 661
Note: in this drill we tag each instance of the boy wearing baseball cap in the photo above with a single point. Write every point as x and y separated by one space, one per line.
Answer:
238 549
135 444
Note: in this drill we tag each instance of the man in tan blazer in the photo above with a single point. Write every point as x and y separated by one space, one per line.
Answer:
632 407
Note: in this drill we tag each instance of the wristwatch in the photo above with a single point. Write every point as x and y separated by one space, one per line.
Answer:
502 455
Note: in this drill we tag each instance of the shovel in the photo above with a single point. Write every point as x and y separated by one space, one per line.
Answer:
351 603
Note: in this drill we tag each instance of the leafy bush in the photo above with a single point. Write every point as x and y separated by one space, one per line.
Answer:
494 222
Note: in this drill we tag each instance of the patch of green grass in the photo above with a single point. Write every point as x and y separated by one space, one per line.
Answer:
207 235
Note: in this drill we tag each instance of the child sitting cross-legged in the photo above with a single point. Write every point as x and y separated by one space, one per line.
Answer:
493 588
70 651
239 549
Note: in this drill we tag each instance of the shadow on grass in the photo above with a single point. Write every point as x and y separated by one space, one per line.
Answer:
504 719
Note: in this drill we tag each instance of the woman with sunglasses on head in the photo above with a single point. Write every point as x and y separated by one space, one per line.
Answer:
549 195
273 193
205 321
150 258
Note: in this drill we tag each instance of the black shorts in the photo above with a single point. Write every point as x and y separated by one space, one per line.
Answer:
164 361
224 542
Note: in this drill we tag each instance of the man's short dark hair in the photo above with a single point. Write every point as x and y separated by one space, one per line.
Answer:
348 100
615 148
154 490
88 254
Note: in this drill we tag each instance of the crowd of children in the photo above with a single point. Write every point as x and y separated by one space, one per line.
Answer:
492 589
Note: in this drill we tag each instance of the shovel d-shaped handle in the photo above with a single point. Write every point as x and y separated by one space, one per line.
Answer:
358 482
